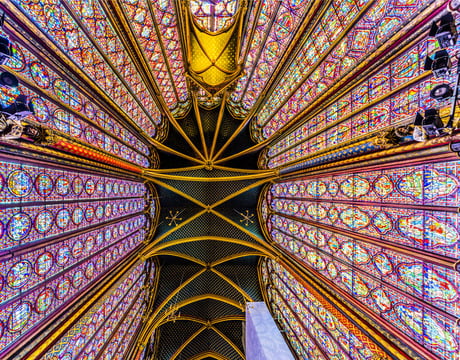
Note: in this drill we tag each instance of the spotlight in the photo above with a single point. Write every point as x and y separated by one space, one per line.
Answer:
445 32
440 63
5 50
8 80
431 123
441 92
20 108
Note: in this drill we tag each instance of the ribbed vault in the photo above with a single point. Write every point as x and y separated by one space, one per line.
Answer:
208 102
208 241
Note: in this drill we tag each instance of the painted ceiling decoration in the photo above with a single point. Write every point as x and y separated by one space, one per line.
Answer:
213 43
163 163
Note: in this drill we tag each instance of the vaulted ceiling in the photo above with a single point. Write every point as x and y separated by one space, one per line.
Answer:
206 85
207 243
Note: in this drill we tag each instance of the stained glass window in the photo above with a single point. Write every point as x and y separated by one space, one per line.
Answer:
315 326
23 185
386 237
63 108
59 25
100 331
107 73
308 79
274 30
80 224
351 117
214 15
158 36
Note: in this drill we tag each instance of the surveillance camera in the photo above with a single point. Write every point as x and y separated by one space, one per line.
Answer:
440 63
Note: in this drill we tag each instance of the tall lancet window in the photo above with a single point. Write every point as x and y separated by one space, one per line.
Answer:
214 15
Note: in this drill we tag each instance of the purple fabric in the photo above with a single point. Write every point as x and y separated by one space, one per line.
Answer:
263 339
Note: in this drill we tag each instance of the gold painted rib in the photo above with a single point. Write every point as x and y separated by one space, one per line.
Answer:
236 256
181 131
228 318
253 148
243 190
154 174
184 169
169 150
211 354
166 234
228 341
204 321
262 96
230 281
185 318
176 191
182 256
218 125
260 240
152 250
188 341
154 323
244 171
239 227
199 167
213 264
175 292
200 126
